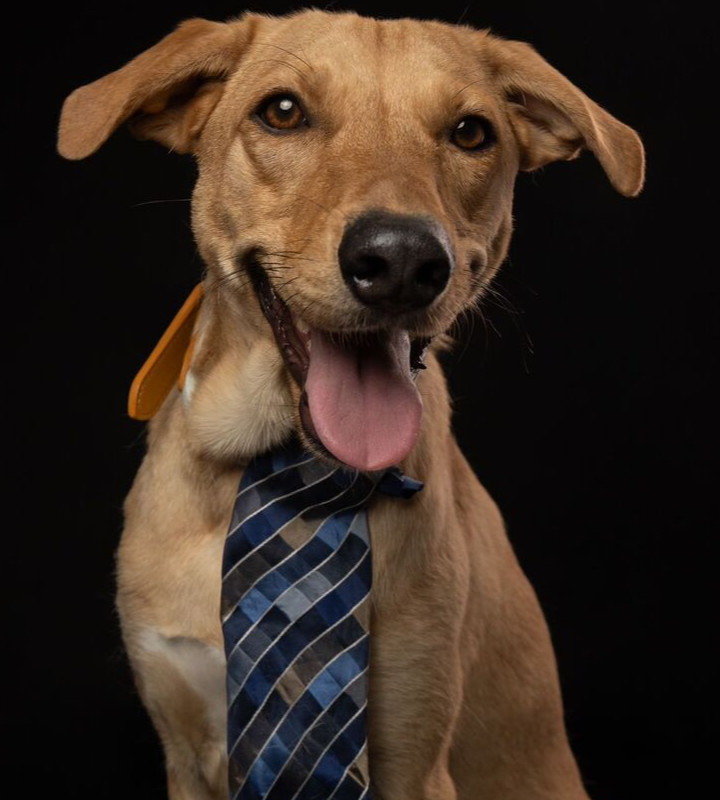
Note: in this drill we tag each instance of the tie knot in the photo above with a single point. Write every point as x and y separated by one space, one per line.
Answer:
315 487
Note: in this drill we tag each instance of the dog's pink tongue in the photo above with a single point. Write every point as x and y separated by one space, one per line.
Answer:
363 401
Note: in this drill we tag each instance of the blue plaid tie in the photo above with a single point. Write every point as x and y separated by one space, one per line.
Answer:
296 583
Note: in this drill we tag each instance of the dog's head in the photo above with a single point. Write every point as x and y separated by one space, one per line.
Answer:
354 196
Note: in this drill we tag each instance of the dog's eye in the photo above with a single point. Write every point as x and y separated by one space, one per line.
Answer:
281 112
472 133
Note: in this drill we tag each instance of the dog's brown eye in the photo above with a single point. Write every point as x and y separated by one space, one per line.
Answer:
472 133
282 112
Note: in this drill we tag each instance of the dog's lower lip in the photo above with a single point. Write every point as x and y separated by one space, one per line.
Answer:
293 343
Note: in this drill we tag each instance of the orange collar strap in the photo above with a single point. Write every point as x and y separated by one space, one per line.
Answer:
168 363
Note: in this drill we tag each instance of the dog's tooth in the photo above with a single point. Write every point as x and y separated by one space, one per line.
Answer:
303 330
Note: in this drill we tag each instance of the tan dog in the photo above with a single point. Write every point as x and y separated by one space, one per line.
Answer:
356 176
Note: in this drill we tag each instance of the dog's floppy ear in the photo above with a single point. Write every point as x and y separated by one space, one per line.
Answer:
169 90
554 120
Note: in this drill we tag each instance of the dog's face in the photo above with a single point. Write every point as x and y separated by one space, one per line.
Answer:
338 132
355 189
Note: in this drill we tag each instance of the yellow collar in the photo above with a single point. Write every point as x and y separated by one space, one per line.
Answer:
168 363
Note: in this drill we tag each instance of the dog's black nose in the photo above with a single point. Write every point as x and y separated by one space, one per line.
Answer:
395 262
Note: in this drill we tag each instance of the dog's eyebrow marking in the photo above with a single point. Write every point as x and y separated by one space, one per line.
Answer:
289 52
300 72
472 83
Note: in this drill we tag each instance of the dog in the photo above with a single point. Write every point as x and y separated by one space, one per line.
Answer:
357 175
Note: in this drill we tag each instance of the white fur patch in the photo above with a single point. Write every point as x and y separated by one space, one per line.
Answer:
243 407
201 665
189 388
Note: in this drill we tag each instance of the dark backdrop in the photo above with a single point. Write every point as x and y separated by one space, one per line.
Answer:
581 402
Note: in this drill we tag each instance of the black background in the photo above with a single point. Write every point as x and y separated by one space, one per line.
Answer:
581 402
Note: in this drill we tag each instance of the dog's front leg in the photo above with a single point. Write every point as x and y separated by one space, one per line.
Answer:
168 569
414 700
420 590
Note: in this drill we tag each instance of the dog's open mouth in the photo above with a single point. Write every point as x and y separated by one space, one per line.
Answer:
359 400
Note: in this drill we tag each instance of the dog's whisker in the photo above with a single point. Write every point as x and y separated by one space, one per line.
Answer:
494 295
467 319
306 308
464 13
288 300
284 285
161 202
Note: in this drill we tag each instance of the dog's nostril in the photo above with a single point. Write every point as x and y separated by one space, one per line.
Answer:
433 274
367 268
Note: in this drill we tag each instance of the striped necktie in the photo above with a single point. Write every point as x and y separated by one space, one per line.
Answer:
295 612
